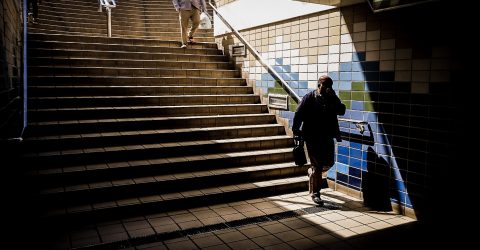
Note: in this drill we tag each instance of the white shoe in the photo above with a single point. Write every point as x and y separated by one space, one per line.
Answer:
183 46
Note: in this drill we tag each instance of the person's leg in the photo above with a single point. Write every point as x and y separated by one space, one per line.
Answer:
184 15
195 23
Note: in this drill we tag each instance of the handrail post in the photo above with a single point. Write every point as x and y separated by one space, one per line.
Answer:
109 21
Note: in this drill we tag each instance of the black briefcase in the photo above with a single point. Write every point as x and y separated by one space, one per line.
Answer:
298 151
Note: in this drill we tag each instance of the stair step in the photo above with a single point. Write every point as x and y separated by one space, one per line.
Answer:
122 188
55 38
128 124
164 202
118 71
123 63
39 115
142 151
124 80
62 175
192 55
64 91
91 140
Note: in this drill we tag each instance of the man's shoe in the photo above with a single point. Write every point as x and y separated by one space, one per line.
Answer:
183 46
317 200
190 40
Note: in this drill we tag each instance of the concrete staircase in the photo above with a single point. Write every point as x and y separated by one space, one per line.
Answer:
131 125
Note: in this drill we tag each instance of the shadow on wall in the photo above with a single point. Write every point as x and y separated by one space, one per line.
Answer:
375 186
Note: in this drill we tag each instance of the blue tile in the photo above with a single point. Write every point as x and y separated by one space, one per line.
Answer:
258 83
332 173
287 68
278 69
285 76
303 84
355 163
271 84
345 76
402 196
294 76
359 56
342 178
293 84
267 77
344 85
343 150
356 153
355 172
342 168
371 76
358 76
356 182
357 67
342 159
356 115
279 61
386 76
333 75
303 92
345 67
356 145
265 90
370 117
400 185
357 105
408 202
371 66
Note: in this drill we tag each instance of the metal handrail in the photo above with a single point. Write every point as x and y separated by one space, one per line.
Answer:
359 124
255 53
108 5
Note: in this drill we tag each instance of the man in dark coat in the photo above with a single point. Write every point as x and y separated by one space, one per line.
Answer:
318 112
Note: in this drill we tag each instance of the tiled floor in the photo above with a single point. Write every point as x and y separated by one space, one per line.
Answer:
344 224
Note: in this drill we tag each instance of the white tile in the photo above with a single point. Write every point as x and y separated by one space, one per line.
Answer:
359 36
279 39
303 76
421 64
387 65
312 76
312 84
403 76
333 49
387 55
271 47
403 54
440 64
403 65
333 67
373 45
295 52
333 58
322 67
286 54
303 60
387 44
279 46
373 56
286 61
303 68
322 59
357 27
295 68
286 45
439 76
346 57
419 88
345 48
295 60
346 38
278 54
420 75
373 35
312 68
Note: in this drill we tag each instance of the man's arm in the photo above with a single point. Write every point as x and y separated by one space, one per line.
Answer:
299 116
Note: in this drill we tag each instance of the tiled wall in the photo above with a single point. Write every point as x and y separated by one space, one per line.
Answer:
11 37
394 70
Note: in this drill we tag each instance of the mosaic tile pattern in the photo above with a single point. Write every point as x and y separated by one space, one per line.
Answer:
383 76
